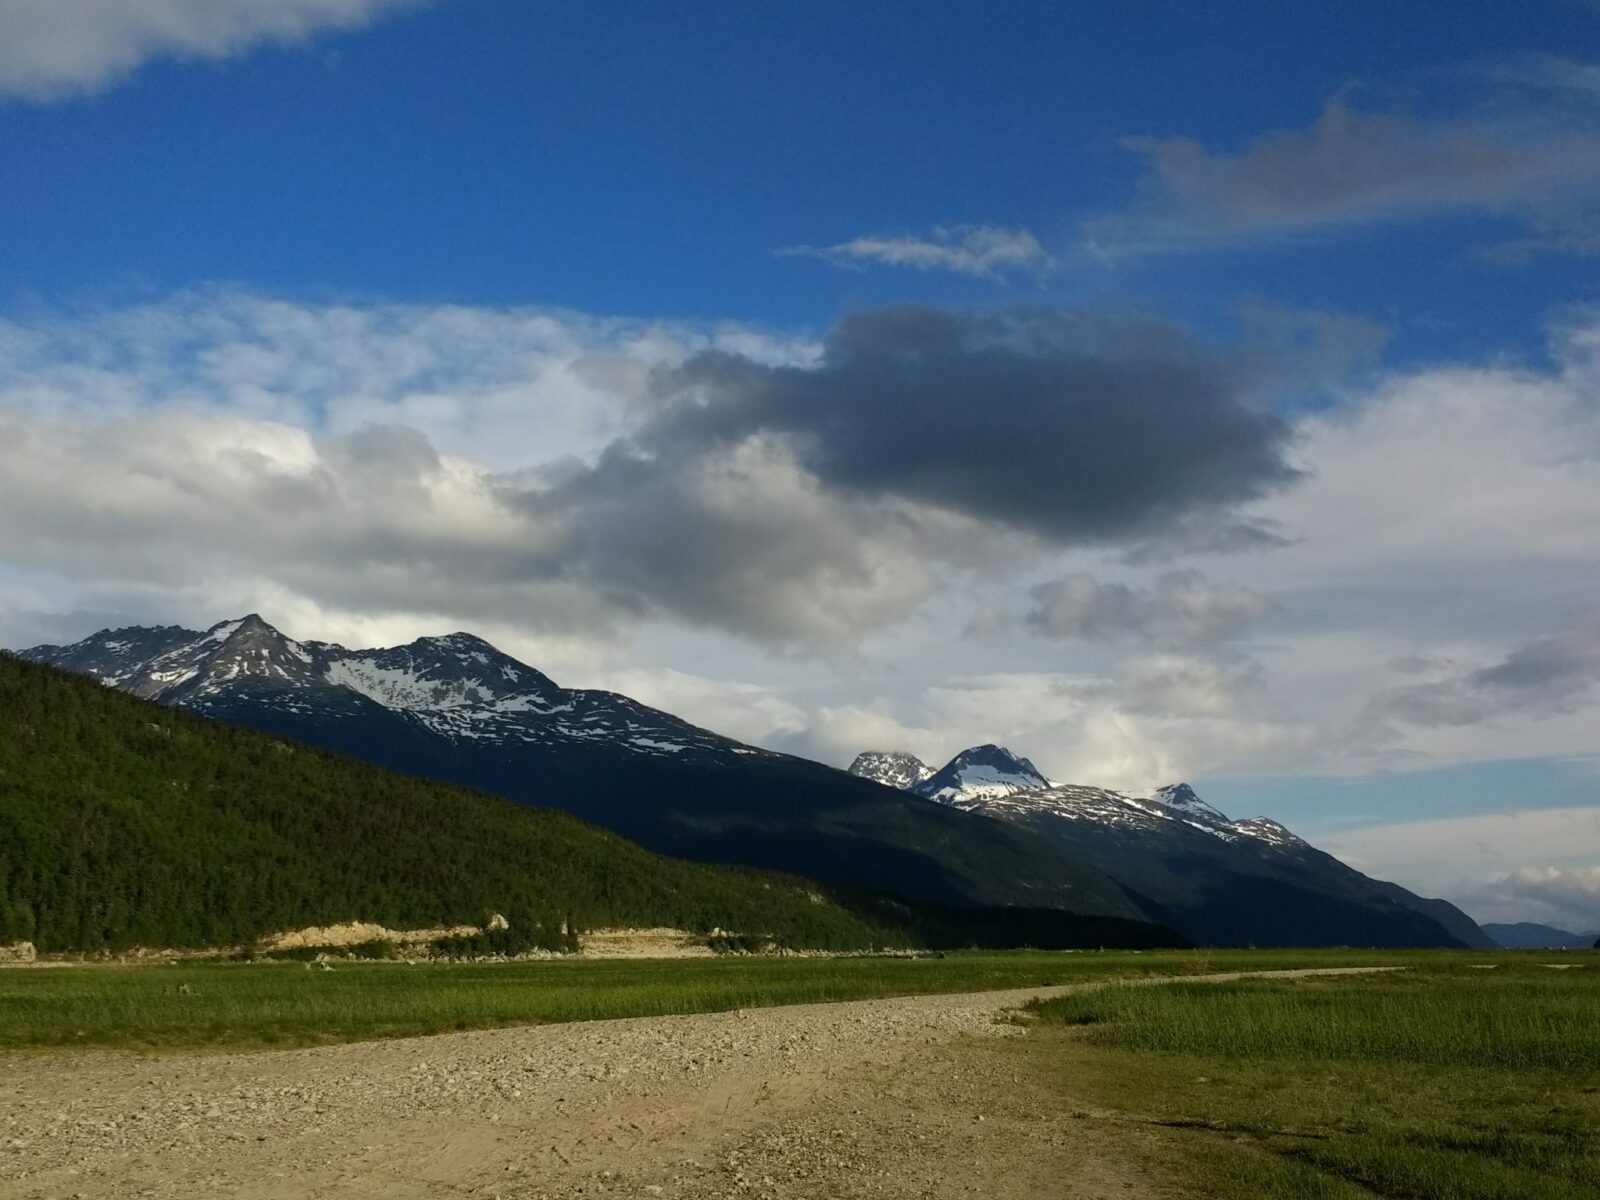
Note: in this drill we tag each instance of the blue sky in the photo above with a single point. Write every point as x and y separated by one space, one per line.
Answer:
578 326
649 159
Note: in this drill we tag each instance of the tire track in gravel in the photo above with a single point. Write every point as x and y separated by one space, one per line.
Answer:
876 1098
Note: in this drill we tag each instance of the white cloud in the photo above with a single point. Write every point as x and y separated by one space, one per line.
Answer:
55 48
983 251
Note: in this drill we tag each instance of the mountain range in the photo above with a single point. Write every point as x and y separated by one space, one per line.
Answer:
986 831
455 709
1216 880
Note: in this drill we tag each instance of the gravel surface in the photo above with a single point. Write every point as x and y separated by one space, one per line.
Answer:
883 1098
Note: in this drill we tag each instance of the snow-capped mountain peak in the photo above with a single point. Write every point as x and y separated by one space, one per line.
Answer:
229 654
892 768
981 773
456 685
1267 830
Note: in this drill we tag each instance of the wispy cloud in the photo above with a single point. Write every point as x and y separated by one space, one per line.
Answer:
983 251
1352 167
50 49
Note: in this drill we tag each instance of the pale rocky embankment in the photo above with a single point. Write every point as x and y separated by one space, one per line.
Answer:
901 1098
660 942
356 933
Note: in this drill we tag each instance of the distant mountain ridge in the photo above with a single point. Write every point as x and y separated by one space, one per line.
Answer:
455 709
1217 880
1530 935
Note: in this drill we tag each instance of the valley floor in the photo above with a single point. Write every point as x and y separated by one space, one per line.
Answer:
911 1097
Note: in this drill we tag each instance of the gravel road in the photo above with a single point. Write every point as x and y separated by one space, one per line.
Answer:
877 1098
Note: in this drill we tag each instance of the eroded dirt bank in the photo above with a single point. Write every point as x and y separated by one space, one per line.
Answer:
878 1098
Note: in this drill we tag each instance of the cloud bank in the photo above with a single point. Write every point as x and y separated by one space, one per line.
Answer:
1067 426
809 524
585 475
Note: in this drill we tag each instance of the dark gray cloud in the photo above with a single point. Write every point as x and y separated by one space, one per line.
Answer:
820 501
1183 607
1549 673
737 538
1070 427
1352 166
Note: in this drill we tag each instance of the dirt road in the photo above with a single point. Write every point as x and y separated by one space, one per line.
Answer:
878 1098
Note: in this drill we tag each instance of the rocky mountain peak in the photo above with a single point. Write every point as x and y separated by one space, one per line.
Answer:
892 768
1182 797
447 671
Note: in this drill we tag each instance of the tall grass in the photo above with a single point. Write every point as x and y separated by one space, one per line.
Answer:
1510 1020
1437 1083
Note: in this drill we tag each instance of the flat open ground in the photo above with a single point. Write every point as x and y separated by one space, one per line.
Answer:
908 1097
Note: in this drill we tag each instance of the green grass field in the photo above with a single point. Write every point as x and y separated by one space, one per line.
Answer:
238 1005
1446 1081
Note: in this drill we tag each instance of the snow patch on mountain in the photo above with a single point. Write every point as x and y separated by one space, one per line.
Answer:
992 780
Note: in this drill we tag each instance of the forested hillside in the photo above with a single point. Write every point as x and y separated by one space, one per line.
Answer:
124 823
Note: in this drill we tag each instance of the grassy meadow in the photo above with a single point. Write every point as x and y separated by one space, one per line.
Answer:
240 1005
1467 1077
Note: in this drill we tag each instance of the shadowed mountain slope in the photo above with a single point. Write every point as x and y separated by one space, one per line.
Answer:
127 824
